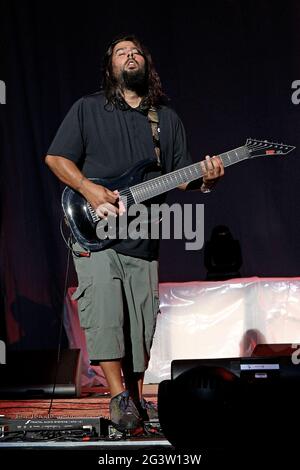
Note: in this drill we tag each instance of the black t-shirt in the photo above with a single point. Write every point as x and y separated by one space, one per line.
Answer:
105 141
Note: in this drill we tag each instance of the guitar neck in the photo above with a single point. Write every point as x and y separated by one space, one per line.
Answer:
149 189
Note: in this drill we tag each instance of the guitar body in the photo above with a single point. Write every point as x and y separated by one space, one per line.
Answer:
78 215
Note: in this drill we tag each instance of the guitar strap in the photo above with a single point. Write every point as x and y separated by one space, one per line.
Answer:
154 123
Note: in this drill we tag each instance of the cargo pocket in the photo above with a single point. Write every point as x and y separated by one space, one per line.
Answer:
84 297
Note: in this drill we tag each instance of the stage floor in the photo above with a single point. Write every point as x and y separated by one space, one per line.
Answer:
92 402
128 452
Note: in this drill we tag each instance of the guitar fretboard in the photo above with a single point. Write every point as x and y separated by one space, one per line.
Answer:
149 189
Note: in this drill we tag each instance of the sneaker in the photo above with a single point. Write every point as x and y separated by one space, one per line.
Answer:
148 410
123 412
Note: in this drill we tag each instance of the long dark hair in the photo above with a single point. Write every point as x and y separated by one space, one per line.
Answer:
154 97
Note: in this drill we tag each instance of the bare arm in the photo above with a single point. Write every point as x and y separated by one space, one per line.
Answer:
99 197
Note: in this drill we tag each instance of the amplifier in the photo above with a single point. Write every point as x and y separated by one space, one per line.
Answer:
98 425
36 374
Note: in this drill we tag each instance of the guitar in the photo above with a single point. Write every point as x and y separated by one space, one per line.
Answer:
83 219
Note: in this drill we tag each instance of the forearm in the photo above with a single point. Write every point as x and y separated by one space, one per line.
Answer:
67 172
70 174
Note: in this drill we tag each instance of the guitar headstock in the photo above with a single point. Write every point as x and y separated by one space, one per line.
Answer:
260 148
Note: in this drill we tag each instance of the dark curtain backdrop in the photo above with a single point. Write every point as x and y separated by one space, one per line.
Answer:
227 66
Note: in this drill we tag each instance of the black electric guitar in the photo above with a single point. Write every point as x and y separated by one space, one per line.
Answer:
83 219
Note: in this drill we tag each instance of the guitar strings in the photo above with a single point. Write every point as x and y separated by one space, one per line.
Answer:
144 190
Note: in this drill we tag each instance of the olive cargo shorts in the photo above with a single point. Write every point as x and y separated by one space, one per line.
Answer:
118 303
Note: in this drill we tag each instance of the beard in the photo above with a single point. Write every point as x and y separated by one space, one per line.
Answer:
135 80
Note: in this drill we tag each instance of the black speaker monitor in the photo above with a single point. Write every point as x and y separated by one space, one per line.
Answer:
214 404
30 374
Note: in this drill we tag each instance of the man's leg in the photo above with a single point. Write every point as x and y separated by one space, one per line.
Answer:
133 381
123 412
142 306
113 375
100 307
